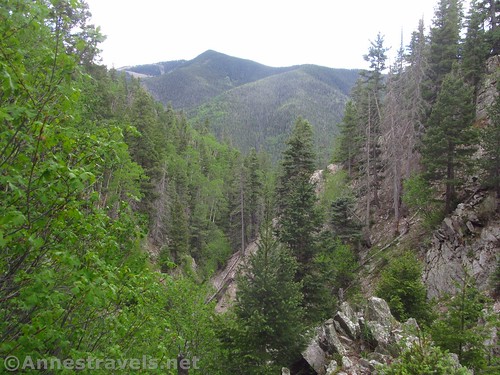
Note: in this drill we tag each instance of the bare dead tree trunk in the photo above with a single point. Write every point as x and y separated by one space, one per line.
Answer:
450 175
161 209
368 167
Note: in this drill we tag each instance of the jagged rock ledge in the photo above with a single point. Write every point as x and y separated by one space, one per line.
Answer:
468 241
336 345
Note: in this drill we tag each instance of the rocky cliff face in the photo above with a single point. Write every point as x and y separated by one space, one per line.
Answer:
468 241
488 90
337 345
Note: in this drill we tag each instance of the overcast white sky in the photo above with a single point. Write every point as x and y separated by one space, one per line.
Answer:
333 33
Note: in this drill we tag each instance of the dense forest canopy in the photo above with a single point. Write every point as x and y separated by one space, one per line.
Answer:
116 211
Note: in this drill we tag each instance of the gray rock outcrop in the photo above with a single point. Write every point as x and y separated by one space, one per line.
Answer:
337 344
467 241
488 90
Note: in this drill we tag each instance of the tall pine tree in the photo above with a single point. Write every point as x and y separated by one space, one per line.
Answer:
348 142
299 219
444 44
448 143
369 100
268 308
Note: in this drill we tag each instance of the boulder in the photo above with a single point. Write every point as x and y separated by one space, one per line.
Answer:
330 340
315 356
378 310
348 321
407 334
346 325
346 363
381 335
373 365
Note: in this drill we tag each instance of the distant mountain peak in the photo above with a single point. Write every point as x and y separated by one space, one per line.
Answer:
253 104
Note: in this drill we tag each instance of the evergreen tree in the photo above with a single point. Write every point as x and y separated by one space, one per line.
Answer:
459 331
448 143
299 218
490 138
336 266
342 221
444 44
348 142
415 107
490 10
253 193
238 218
269 315
475 49
178 234
401 286
368 95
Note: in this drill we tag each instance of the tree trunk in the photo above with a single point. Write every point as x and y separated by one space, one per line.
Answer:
450 176
368 166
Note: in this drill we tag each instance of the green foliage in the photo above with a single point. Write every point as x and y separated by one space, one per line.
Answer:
423 358
82 161
344 224
418 195
93 170
337 267
191 324
298 216
449 140
215 254
335 185
495 280
475 46
253 105
269 316
458 330
443 45
253 193
401 286
348 143
338 203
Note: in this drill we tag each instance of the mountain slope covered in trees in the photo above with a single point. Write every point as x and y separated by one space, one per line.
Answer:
115 211
250 104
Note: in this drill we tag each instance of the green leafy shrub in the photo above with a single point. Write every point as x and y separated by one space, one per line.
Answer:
401 286
418 195
424 359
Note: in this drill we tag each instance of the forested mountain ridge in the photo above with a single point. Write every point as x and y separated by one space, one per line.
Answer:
188 83
116 212
250 104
